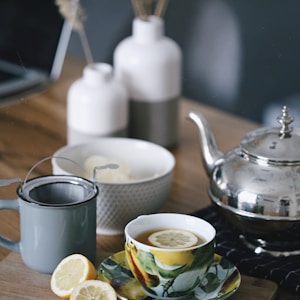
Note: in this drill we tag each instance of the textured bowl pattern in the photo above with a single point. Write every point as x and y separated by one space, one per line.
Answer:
118 204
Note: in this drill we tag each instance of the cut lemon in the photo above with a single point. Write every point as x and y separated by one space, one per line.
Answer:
70 272
173 238
92 290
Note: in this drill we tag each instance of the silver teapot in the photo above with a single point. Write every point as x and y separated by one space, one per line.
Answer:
256 186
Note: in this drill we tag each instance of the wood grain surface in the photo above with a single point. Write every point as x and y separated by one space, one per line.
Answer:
19 282
33 128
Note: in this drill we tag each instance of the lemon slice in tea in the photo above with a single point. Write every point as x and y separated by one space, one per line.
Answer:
173 239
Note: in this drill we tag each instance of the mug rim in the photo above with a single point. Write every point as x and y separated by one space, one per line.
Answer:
50 179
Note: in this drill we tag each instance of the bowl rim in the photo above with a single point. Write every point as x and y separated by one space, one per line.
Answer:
58 154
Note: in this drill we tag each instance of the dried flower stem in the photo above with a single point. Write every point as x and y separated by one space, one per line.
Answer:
149 4
143 8
139 8
85 46
72 11
161 8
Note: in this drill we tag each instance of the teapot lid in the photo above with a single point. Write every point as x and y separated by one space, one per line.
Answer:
276 145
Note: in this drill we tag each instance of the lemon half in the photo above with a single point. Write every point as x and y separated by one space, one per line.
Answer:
70 272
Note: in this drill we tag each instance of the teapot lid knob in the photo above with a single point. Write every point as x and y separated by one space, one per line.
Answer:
285 119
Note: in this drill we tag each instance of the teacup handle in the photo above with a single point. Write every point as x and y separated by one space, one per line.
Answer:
4 241
14 205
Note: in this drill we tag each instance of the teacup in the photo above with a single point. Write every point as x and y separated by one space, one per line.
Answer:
169 272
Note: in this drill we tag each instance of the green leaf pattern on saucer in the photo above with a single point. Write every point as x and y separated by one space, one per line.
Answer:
221 281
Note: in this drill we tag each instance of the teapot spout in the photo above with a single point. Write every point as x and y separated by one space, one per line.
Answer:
211 154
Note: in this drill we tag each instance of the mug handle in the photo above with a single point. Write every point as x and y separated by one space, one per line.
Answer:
4 241
14 205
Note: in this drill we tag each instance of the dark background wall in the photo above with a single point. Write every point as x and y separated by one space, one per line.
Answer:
240 56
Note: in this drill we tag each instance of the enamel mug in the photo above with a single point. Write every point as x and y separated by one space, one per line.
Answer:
57 219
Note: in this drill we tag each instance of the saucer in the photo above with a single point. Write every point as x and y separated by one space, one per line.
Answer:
221 281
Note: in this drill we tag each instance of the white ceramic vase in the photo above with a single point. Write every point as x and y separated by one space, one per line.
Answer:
149 63
97 105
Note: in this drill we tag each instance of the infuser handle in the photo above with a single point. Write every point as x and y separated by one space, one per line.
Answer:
4 241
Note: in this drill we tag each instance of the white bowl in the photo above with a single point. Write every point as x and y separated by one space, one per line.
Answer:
119 203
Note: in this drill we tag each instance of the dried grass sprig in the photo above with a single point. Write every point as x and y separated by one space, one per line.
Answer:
72 11
144 8
148 6
161 8
139 8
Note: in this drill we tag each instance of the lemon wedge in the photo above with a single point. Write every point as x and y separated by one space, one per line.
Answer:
173 239
94 289
69 273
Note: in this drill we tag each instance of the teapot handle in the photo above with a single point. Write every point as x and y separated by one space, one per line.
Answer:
13 205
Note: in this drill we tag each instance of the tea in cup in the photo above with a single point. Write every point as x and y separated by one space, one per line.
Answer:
168 253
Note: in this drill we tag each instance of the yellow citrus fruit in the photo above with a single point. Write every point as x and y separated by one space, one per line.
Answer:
173 238
173 259
93 289
70 272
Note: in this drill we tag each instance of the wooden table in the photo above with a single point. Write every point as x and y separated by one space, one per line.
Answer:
33 128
